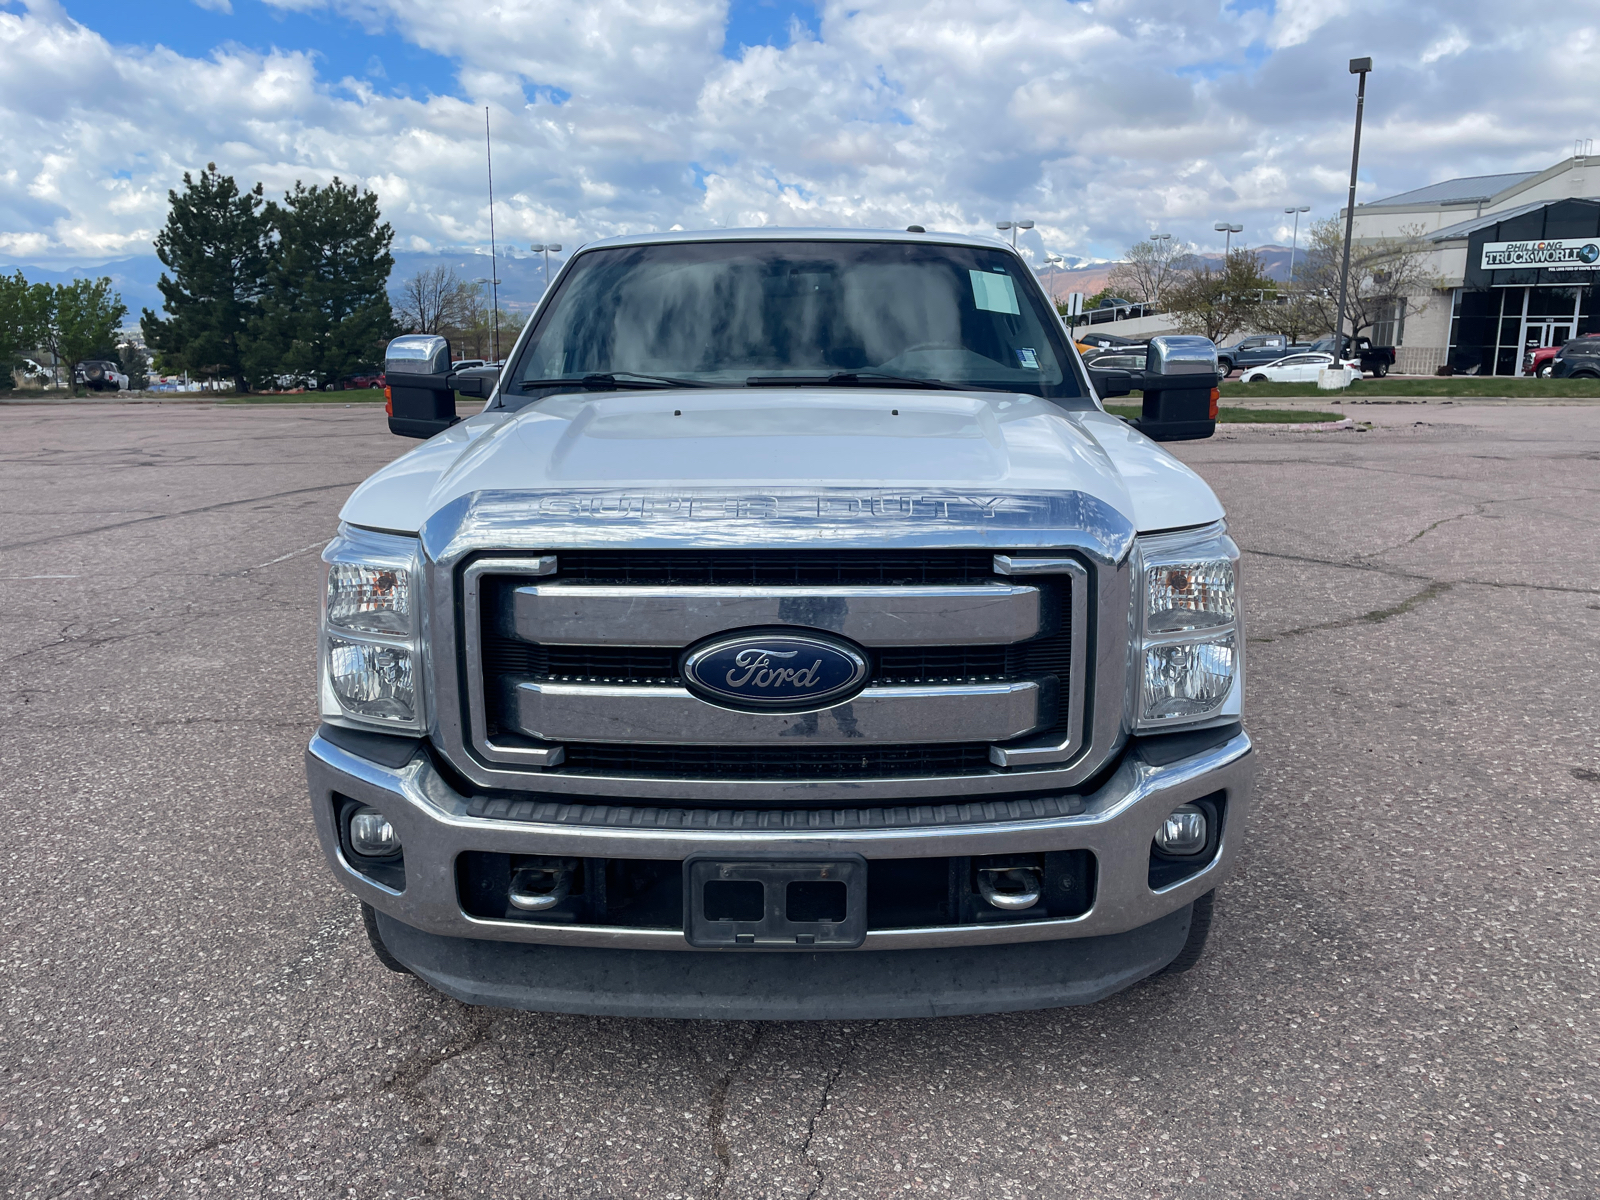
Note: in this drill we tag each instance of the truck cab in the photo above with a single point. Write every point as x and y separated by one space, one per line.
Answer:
791 634
1255 351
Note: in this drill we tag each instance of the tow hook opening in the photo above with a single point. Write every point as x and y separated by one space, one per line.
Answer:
540 886
1011 889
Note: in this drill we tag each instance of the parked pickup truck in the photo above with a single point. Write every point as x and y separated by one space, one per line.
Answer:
1374 360
792 634
1255 351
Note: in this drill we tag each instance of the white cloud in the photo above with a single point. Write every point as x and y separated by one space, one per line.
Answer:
1100 120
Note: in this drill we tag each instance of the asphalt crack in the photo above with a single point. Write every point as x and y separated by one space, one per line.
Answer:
1375 616
717 1110
822 1106
1398 573
185 512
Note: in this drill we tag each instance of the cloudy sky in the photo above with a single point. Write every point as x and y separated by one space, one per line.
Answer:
1102 120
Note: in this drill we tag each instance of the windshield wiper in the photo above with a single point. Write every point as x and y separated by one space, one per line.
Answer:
612 380
851 379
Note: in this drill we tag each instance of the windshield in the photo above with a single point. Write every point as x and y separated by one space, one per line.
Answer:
786 313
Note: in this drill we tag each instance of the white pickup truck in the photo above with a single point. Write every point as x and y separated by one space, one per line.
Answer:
791 635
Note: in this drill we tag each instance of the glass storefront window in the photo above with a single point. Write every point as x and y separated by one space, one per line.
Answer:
1493 330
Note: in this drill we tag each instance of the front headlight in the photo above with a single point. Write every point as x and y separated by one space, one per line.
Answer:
1189 662
370 650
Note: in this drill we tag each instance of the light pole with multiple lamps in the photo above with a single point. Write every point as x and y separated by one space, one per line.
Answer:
1358 66
1295 243
1159 275
1227 243
494 317
547 251
1013 226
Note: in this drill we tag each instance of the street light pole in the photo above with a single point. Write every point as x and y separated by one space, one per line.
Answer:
1158 270
1295 244
1013 226
1227 243
1358 66
547 250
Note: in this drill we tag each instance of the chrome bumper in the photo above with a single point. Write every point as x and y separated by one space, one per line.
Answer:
1118 823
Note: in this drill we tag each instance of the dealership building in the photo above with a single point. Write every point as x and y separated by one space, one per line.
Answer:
1518 258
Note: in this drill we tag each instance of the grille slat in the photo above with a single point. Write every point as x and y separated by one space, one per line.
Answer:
507 657
775 568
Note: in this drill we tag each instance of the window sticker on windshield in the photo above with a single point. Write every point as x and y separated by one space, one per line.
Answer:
994 293
1027 357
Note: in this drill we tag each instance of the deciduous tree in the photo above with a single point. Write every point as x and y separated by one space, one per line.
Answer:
1218 302
1149 270
24 308
82 322
1383 271
215 245
434 300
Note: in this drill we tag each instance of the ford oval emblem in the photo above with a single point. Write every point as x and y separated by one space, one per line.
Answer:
774 671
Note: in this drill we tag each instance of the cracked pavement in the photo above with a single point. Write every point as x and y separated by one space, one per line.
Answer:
1398 1000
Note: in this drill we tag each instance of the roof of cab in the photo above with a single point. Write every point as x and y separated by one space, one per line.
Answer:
770 233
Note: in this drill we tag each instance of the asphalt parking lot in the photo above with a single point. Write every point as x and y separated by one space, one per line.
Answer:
1399 998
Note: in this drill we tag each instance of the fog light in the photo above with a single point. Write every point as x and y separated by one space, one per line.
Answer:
371 835
1184 832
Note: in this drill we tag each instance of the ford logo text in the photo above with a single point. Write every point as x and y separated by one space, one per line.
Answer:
774 671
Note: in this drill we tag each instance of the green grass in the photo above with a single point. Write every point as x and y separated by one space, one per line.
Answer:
1246 416
353 396
1449 386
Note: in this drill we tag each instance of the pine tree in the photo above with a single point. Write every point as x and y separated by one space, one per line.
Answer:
325 310
215 244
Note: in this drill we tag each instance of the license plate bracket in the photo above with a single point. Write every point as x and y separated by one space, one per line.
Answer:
783 903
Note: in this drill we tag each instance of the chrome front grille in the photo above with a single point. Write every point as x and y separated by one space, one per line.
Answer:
576 658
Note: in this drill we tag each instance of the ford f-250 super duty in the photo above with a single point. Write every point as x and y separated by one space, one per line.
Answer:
792 634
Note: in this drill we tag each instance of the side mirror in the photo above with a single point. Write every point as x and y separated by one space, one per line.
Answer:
1180 389
421 399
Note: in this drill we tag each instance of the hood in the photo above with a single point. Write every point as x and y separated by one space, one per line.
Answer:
683 443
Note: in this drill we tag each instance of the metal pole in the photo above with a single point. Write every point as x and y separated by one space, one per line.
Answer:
1294 245
494 263
1358 66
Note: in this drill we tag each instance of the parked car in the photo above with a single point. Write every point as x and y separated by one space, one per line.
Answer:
1117 358
1101 341
100 375
369 379
1255 351
724 673
1578 359
1300 368
466 364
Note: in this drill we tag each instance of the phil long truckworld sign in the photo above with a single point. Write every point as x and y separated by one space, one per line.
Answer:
1552 254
